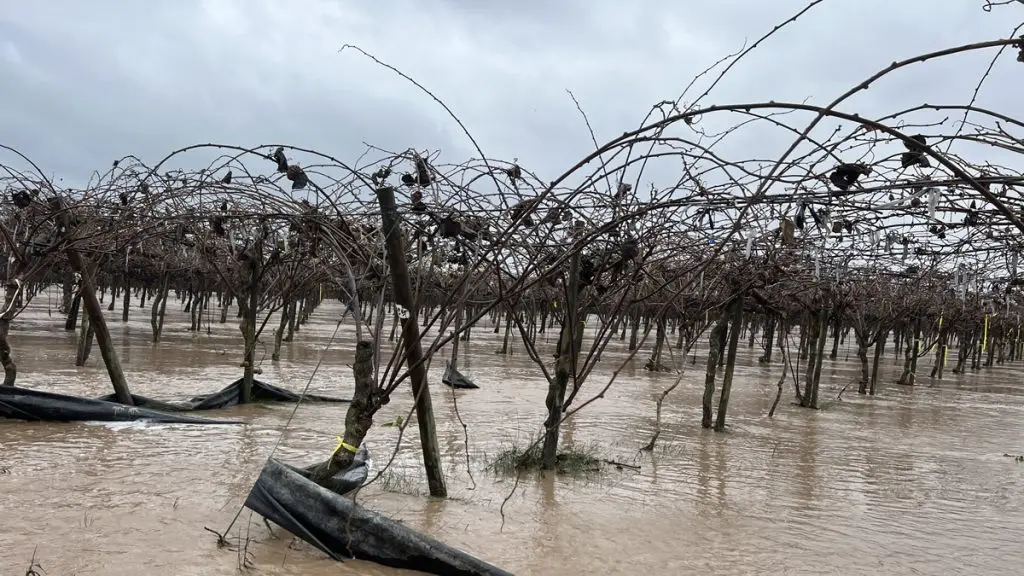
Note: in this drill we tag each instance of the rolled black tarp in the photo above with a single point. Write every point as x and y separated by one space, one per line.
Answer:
452 377
228 396
343 529
36 406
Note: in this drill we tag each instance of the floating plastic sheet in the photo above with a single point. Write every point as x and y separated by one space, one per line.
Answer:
38 406
343 529
452 377
231 395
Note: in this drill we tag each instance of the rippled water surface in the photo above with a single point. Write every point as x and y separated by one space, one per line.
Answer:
912 481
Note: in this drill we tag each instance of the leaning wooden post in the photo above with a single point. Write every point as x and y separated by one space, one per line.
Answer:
411 338
99 326
94 309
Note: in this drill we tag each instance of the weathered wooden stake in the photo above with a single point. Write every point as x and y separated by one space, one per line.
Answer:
714 350
819 356
99 325
411 339
730 362
126 298
85 337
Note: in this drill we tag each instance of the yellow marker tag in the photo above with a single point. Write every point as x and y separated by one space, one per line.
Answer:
346 446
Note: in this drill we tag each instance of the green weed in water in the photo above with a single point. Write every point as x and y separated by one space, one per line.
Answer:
575 459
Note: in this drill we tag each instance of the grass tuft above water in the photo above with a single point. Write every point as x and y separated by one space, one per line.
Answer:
399 481
574 459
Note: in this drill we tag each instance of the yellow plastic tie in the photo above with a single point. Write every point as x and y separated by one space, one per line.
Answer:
345 445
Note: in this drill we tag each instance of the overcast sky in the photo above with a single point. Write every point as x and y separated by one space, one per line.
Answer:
83 83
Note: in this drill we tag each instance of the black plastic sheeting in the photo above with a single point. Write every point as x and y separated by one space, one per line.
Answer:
452 377
345 481
229 396
36 406
343 529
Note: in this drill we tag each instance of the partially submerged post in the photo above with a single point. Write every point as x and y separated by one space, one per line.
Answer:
715 339
736 314
823 316
411 341
87 293
85 338
99 326
817 338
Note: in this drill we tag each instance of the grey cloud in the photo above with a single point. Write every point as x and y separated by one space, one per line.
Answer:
85 83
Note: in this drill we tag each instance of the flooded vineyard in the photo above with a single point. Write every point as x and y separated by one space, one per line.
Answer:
910 481
800 355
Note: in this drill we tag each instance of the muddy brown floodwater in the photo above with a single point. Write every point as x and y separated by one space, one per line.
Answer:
912 481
